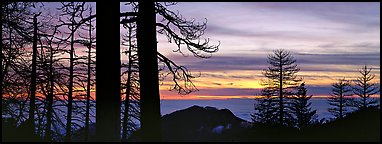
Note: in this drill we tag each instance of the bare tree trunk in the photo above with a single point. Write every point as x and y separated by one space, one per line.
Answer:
108 107
281 94
1 54
33 78
88 81
70 93
148 72
341 103
127 93
48 132
364 90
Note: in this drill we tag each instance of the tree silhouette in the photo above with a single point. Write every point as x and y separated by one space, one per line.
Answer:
282 81
88 97
48 132
147 54
73 12
11 50
49 65
21 32
18 15
266 107
108 79
1 58
338 98
70 35
78 32
88 41
33 78
47 54
131 111
301 108
148 71
364 89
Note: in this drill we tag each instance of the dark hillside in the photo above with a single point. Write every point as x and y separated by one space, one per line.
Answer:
362 125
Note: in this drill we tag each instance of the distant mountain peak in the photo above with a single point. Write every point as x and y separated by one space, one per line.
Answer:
197 122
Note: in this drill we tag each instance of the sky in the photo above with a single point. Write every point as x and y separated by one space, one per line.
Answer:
328 40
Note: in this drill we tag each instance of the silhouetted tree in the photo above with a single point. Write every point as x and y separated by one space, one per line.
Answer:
48 64
108 76
48 131
1 58
46 75
148 65
72 11
17 33
88 41
50 80
131 112
33 78
17 77
364 89
301 108
55 75
281 77
148 71
266 107
90 46
338 98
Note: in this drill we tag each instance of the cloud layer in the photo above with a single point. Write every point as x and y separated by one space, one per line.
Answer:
328 40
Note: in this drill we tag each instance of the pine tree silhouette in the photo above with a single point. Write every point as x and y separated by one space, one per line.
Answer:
301 108
281 81
364 89
338 98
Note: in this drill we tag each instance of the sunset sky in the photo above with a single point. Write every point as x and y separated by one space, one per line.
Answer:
328 40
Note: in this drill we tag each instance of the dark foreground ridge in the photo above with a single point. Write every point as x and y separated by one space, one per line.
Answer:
211 124
197 123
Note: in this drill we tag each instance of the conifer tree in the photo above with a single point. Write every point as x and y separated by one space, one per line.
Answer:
340 91
265 107
364 89
301 108
281 82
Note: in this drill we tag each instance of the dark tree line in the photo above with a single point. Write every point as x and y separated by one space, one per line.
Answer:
282 102
36 55
362 87
60 74
48 72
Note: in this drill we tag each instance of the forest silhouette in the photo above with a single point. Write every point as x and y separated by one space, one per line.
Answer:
53 62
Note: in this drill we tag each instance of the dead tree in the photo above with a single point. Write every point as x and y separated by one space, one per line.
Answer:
108 106
88 96
72 11
190 33
33 77
52 47
15 71
88 41
131 111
